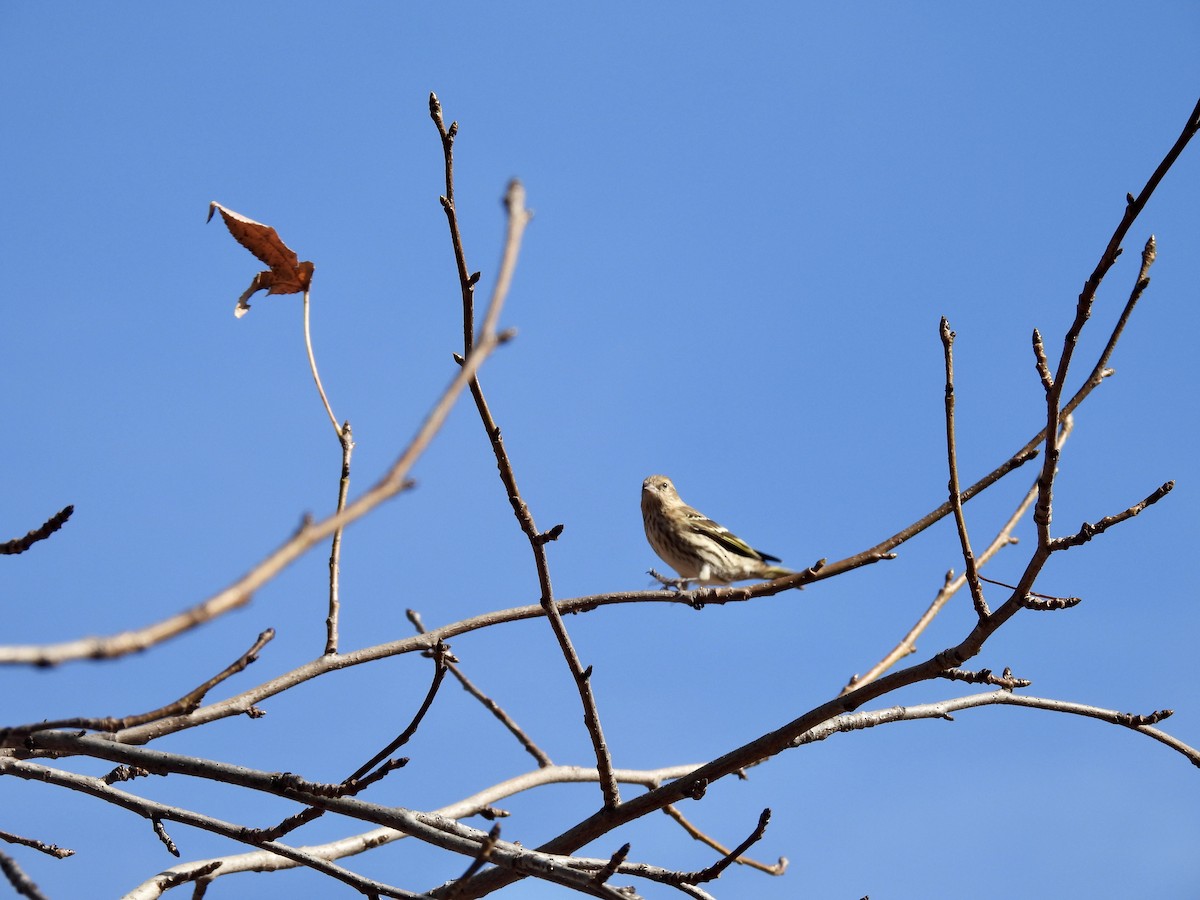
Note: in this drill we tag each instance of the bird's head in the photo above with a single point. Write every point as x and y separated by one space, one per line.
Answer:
659 488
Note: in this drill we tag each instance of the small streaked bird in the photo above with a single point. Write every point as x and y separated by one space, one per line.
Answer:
694 545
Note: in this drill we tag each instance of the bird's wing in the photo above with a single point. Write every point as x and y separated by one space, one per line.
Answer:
702 524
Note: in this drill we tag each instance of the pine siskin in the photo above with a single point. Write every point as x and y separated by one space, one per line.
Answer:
694 545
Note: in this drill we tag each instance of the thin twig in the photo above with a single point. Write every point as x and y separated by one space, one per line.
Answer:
1043 511
257 861
777 869
43 531
467 281
435 829
346 439
441 656
1035 600
981 607
158 812
1089 530
1149 254
1039 355
183 706
312 364
518 218
1099 372
245 702
714 871
41 846
163 837
491 705
481 858
363 775
614 863
985 676
21 883
944 709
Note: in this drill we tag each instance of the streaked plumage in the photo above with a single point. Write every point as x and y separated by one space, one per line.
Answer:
694 545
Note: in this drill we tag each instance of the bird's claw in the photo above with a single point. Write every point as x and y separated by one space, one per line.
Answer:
670 584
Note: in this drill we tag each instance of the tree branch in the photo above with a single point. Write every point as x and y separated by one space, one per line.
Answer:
43 531
518 218
489 704
981 607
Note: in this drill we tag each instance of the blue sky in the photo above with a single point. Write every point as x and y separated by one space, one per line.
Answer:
748 222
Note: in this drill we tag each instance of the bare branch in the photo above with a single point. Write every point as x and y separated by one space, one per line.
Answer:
162 835
43 531
1034 600
181 707
363 776
467 280
21 883
518 218
714 871
42 847
1149 253
312 364
1088 531
945 708
613 864
441 656
481 858
985 676
157 812
1100 370
1043 511
259 860
981 607
434 829
491 705
1042 603
346 439
777 869
1043 368
952 584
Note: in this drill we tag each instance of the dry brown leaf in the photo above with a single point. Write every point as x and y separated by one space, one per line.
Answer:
286 275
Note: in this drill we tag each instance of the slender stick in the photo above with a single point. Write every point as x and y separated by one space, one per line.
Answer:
777 869
159 812
491 705
312 364
49 849
518 218
21 883
43 531
181 707
981 607
346 439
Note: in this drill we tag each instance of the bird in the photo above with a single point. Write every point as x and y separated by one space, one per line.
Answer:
694 545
